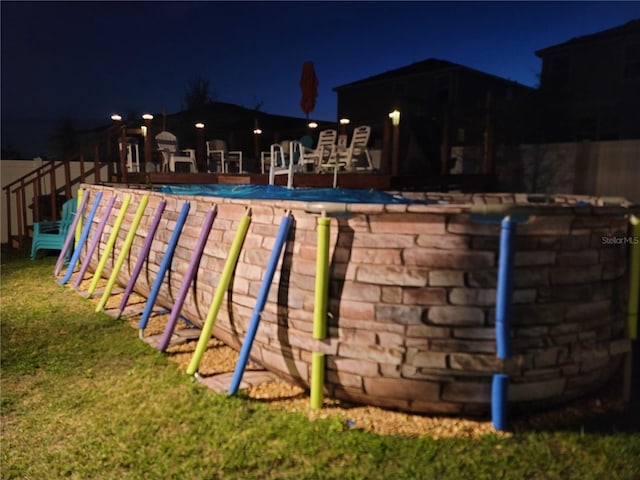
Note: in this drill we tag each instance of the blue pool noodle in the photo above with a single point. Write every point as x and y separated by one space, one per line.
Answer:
504 292
499 388
83 238
142 256
186 282
164 266
71 235
261 301
504 295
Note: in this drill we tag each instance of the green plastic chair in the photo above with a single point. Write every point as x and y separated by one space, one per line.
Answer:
51 235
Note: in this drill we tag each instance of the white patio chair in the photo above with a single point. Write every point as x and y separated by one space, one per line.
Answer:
132 153
168 146
323 151
351 157
285 163
219 158
282 152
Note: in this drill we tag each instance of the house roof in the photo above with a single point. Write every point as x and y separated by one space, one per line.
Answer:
417 68
632 27
424 66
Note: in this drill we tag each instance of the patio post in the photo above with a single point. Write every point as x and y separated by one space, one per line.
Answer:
146 131
395 120
201 161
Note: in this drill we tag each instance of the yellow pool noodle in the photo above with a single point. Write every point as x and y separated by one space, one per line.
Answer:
320 311
634 278
110 243
123 253
79 225
218 296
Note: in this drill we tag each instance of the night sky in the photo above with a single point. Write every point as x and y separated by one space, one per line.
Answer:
86 60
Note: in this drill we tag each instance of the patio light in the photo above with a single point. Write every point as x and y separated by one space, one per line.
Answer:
199 125
147 116
257 131
343 130
312 125
115 117
395 117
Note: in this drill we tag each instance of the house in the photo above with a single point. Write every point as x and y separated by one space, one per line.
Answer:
590 86
441 104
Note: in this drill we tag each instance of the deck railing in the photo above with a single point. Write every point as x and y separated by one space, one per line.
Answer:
55 178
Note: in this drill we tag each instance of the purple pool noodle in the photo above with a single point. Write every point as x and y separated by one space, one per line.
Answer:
143 255
95 241
186 282
70 235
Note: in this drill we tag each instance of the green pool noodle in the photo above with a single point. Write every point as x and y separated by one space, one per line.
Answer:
218 296
123 253
322 280
317 380
320 311
110 243
79 225
634 278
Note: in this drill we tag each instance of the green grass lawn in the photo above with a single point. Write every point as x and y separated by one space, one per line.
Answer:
83 397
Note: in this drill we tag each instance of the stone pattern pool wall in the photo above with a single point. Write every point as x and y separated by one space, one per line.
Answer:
412 296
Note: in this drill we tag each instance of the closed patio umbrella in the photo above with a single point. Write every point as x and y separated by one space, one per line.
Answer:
309 88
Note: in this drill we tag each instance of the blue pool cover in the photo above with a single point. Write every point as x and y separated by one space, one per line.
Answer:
274 192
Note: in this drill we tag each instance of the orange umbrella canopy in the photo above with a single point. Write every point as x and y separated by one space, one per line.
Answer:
309 87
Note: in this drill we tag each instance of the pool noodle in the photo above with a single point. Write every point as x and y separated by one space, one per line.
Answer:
123 252
70 235
504 291
164 266
249 337
94 242
188 278
499 397
79 225
222 287
634 278
504 297
320 311
83 238
110 243
143 255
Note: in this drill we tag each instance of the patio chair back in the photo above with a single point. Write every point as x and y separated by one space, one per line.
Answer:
360 140
51 235
167 142
219 158
327 139
358 149
168 146
323 151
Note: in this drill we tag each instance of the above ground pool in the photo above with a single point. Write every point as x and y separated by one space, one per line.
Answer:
274 192
418 315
